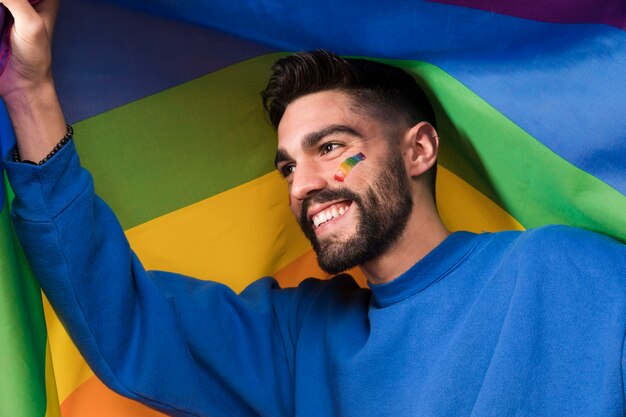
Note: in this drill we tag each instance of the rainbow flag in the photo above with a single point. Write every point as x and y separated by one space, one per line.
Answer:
164 98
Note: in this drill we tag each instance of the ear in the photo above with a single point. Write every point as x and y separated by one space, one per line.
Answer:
420 148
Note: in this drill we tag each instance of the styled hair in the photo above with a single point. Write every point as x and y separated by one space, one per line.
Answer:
381 90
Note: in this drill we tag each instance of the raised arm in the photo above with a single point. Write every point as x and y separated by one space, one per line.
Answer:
183 346
26 84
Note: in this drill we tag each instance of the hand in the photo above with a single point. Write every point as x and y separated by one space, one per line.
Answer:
26 86
29 65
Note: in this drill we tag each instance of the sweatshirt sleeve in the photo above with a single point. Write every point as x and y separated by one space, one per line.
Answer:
180 345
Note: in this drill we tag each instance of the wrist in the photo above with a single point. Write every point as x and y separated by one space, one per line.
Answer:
37 119
23 97
61 144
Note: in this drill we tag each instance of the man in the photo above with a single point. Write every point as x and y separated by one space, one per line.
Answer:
326 112
454 324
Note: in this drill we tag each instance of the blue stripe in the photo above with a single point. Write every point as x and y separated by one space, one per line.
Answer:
562 83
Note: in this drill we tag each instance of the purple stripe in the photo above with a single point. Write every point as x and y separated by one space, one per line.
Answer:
4 38
608 12
4 56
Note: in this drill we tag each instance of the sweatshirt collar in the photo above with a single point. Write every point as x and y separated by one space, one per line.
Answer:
435 265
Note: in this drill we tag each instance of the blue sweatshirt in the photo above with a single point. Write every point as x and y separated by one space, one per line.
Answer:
502 324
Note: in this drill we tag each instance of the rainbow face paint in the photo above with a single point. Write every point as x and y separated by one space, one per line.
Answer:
347 165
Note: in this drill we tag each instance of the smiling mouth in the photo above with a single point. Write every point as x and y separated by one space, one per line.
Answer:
330 213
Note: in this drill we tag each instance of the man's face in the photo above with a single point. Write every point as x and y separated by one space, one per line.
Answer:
352 221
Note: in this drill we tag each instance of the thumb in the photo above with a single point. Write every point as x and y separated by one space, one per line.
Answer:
29 15
23 13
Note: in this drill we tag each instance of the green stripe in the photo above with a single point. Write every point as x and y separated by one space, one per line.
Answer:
188 143
182 145
22 331
528 180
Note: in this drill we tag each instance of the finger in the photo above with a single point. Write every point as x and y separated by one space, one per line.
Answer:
21 10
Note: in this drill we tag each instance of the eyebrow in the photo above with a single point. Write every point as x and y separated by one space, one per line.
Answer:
313 138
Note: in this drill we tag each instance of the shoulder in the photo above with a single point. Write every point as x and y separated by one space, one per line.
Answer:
559 245
563 261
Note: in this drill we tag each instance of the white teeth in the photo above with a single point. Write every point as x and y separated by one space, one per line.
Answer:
329 214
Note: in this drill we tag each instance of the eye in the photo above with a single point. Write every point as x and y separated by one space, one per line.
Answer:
329 147
286 170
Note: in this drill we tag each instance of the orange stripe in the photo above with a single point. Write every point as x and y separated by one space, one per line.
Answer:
94 399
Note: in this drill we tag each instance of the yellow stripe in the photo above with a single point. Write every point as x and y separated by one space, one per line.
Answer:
247 232
463 207
234 237
52 397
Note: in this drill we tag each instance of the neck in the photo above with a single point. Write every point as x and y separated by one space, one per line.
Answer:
423 233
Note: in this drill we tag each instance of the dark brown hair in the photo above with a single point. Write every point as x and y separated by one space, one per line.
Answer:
383 91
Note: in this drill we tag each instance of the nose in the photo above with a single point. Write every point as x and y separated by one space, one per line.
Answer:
307 179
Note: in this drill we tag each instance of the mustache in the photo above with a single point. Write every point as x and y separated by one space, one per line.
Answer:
326 195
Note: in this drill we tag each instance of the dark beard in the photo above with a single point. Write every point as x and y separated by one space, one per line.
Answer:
383 213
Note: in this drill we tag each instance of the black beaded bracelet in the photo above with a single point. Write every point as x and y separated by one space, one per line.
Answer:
57 148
